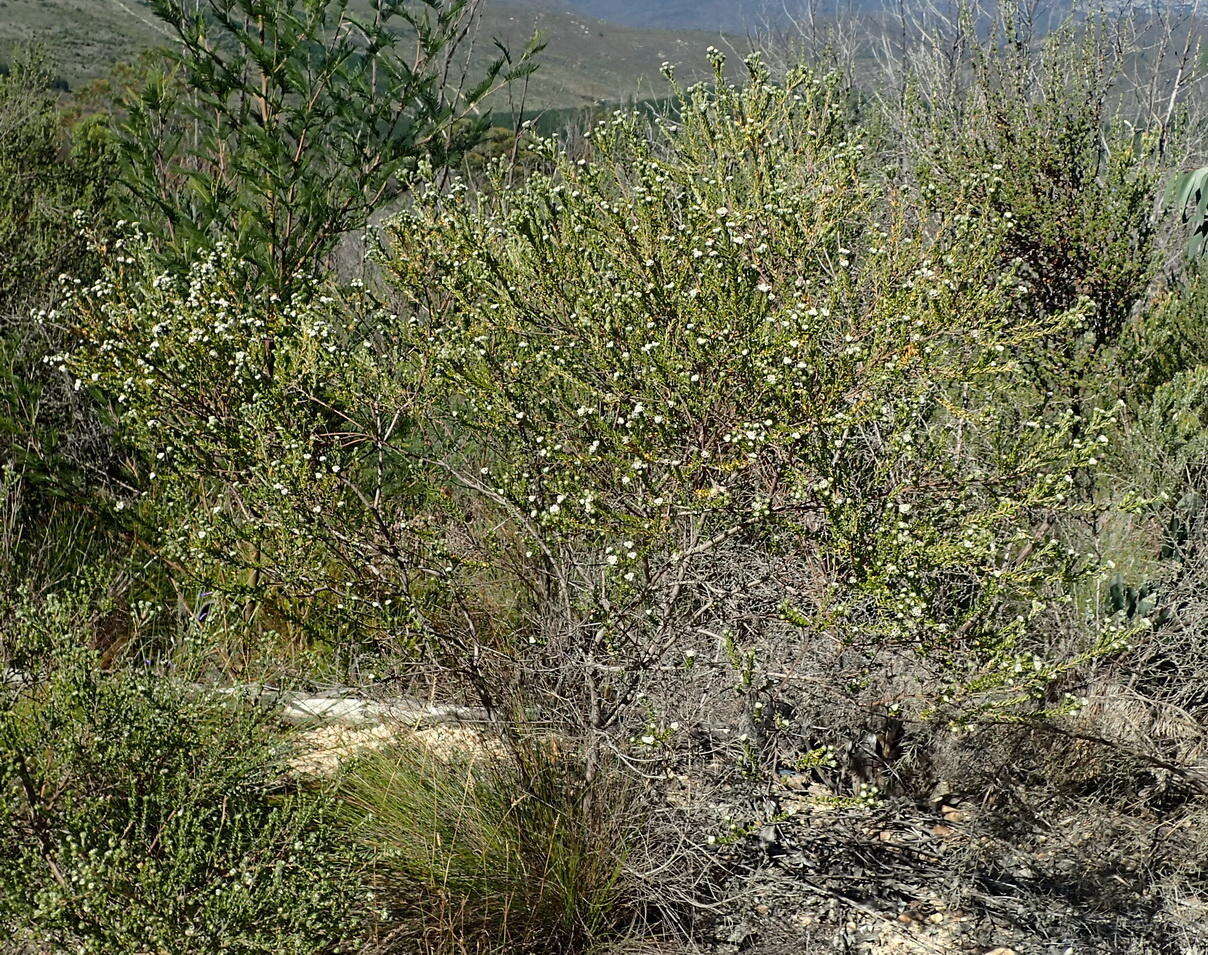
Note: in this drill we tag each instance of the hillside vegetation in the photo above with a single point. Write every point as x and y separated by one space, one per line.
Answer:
736 16
769 520
587 60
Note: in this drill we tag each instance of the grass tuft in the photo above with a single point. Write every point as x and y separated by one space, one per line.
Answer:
490 851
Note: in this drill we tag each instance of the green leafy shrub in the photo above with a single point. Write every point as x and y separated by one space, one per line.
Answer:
486 850
140 815
48 174
1188 194
1032 139
729 396
289 122
1171 338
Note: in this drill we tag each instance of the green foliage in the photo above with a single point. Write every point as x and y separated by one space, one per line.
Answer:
1163 376
248 477
1177 418
287 122
48 174
141 815
488 851
1172 338
1188 195
728 339
1033 141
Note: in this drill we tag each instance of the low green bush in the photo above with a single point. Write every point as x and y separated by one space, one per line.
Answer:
137 814
49 173
1031 142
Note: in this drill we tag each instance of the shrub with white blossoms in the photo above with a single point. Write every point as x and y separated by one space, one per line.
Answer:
244 474
726 405
655 440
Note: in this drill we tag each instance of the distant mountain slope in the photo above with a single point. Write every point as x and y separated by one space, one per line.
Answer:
587 60
742 17
745 17
738 16
83 37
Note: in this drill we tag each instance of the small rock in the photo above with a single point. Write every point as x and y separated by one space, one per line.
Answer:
952 814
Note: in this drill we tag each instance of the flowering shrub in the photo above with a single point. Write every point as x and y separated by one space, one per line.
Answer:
729 398
138 816
712 397
243 473
711 446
